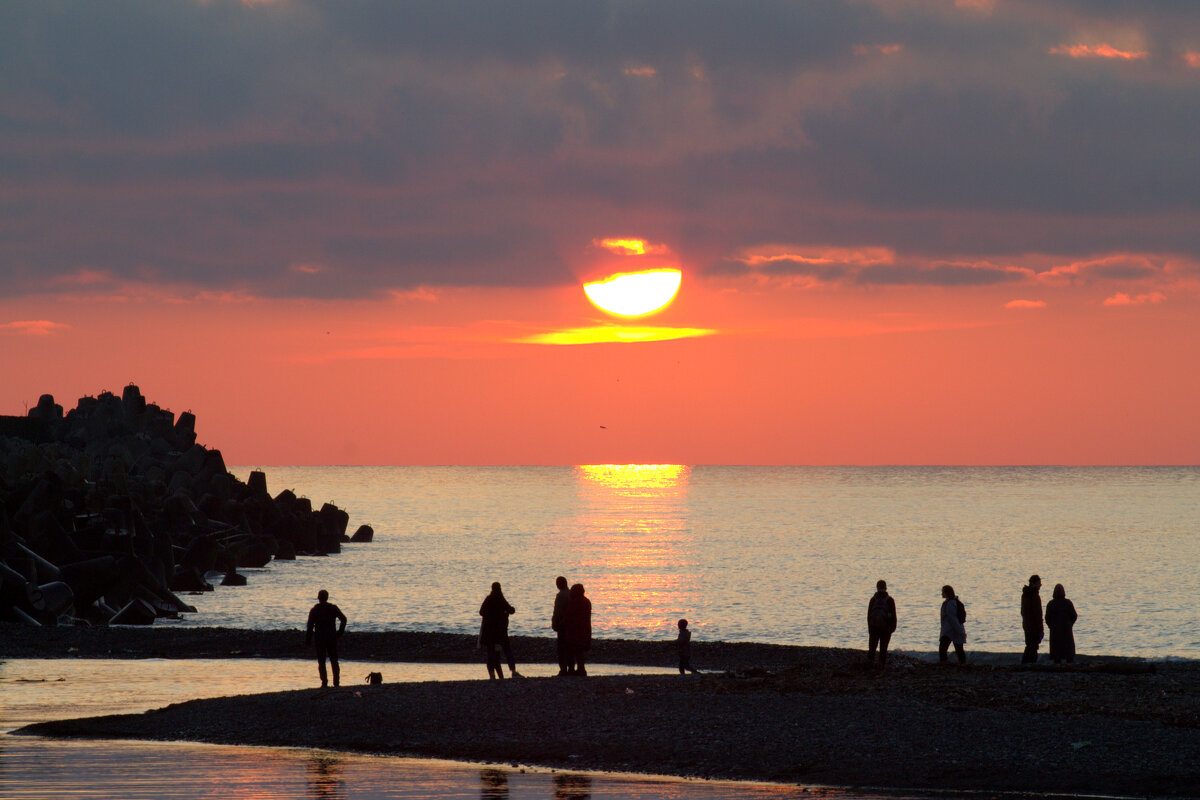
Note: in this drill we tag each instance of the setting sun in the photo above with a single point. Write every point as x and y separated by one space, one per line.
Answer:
635 294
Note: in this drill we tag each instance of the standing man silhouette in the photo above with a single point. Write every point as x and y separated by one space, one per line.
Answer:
321 625
556 623
881 623
1031 619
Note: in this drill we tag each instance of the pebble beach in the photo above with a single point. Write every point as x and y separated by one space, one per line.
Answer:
797 715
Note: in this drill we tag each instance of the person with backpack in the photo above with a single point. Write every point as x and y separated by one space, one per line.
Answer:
954 615
881 623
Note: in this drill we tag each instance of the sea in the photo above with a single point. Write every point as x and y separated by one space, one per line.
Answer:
786 555
761 554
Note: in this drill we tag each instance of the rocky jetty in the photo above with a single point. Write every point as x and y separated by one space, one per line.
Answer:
110 511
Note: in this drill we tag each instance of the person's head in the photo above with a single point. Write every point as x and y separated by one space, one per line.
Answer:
560 582
496 587
682 624
947 591
322 596
1035 581
1059 591
881 586
577 590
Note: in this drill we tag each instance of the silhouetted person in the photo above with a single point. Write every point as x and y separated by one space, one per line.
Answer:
326 623
1031 619
684 645
556 622
578 624
881 623
1060 619
954 631
493 632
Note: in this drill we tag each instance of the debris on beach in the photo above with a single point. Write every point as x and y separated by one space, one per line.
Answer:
111 511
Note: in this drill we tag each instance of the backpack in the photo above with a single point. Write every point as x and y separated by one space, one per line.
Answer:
962 611
879 615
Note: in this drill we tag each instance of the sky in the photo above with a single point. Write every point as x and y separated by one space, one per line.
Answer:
909 231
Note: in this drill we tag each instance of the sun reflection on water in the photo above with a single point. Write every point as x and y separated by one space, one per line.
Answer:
636 545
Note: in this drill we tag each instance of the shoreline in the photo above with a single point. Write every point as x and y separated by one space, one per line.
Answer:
794 715
22 641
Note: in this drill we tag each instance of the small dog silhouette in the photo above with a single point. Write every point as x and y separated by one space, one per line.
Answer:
374 678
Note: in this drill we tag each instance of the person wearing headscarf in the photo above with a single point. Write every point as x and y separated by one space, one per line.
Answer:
577 622
1060 619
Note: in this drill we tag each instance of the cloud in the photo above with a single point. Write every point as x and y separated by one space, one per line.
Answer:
1122 299
1025 304
1119 267
613 334
226 147
35 327
630 247
949 275
1098 51
308 269
876 49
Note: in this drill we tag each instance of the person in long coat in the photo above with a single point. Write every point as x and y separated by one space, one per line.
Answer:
953 630
1060 619
577 624
493 632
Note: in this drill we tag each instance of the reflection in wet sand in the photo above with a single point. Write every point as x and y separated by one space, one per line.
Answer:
636 543
325 778
493 784
572 787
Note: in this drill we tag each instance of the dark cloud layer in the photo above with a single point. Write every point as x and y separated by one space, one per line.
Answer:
395 144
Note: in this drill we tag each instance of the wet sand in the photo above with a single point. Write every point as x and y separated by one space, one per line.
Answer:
790 714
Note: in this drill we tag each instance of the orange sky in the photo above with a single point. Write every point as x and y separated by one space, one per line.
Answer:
910 231
791 376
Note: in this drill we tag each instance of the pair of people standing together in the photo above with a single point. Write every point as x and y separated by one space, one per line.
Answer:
572 625
571 621
1060 618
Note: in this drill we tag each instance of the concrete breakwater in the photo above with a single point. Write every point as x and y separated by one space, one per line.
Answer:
110 511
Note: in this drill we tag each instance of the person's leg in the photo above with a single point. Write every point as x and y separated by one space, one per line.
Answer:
564 655
1031 649
577 659
960 652
943 649
512 662
884 638
493 662
333 662
321 663
873 642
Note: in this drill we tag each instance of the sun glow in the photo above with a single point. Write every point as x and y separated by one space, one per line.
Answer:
635 294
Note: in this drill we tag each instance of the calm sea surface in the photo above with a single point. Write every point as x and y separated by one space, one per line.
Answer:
765 554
